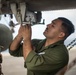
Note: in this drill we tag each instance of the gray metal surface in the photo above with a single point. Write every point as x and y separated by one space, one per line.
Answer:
5 36
40 5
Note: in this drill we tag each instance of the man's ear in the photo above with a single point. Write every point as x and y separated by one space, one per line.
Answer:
62 34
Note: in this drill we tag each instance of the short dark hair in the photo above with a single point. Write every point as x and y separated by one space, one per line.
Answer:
67 26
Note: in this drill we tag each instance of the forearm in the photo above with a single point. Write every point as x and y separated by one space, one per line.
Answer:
27 48
15 43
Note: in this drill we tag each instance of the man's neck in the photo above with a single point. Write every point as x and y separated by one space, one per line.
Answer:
50 41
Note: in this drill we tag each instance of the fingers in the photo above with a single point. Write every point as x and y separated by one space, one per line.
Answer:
27 26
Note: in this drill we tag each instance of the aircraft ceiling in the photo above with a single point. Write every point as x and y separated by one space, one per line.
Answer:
43 5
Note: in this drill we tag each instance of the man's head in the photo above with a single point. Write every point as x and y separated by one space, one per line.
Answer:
60 28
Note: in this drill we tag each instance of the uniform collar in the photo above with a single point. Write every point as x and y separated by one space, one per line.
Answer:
41 44
56 43
52 45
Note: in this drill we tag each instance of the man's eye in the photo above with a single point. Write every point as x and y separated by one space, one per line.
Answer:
53 26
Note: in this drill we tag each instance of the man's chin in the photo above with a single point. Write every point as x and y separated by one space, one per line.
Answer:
44 34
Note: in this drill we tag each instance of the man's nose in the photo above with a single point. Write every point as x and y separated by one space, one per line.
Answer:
48 25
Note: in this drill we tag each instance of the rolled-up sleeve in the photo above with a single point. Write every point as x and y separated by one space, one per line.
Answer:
33 60
18 52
